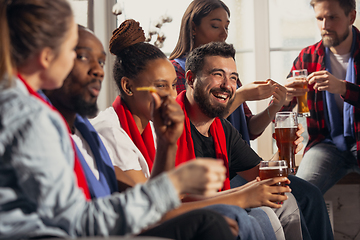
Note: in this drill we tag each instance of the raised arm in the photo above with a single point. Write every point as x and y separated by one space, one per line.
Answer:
48 182
253 194
260 121
253 91
168 119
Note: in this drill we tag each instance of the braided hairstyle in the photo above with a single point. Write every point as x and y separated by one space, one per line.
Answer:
132 53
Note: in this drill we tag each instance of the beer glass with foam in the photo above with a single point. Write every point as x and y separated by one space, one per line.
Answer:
303 109
286 124
272 169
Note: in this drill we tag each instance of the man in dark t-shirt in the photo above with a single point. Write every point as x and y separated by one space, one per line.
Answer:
241 156
211 78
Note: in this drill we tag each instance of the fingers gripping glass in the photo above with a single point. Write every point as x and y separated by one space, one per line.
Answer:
272 169
303 108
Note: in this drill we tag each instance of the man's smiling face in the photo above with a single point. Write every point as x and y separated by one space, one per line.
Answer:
214 88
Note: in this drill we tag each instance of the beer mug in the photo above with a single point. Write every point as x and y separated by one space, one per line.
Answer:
286 124
303 109
272 169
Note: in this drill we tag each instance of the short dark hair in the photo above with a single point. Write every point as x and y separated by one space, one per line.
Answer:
346 5
195 60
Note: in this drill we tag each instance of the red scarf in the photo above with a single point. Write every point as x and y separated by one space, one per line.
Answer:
185 143
145 141
81 180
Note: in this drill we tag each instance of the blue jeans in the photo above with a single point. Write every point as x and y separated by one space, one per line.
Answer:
253 224
313 210
285 220
315 222
324 165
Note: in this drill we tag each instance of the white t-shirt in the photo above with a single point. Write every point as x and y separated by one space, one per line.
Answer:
122 150
86 151
339 65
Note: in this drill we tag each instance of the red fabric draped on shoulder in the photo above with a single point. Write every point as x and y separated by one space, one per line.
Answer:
145 141
81 180
185 143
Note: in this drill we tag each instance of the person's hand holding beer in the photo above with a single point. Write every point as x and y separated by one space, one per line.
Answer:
300 139
265 192
273 170
295 88
325 81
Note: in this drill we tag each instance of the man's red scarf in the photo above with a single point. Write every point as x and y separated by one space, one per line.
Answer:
81 180
185 143
145 141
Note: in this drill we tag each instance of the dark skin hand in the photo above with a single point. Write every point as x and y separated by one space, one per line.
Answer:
168 118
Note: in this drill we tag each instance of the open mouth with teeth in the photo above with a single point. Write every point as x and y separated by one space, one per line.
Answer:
221 96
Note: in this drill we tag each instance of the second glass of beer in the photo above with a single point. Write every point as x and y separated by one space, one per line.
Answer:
272 169
303 109
286 124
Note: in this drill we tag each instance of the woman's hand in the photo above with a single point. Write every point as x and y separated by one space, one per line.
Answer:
279 96
257 90
168 118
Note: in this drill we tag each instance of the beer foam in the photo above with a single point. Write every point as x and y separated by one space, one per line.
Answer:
273 168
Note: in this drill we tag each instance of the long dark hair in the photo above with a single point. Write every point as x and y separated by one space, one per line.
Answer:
196 11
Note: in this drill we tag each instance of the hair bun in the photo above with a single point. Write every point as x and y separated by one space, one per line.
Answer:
127 34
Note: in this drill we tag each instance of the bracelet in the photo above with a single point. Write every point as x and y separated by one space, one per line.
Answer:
268 112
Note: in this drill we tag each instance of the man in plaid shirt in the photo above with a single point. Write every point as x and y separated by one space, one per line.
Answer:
333 95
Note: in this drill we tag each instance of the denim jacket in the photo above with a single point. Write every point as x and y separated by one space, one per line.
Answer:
38 191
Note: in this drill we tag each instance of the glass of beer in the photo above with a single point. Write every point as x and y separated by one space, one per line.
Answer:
285 133
303 109
271 169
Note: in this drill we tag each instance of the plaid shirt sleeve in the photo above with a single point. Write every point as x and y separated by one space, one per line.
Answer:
312 59
352 95
180 73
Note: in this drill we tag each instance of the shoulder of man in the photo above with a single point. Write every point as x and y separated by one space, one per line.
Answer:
317 48
229 129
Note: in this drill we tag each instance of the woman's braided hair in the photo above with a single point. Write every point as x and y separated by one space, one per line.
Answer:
132 53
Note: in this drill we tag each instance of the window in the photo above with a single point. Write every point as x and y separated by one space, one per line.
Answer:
267 34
